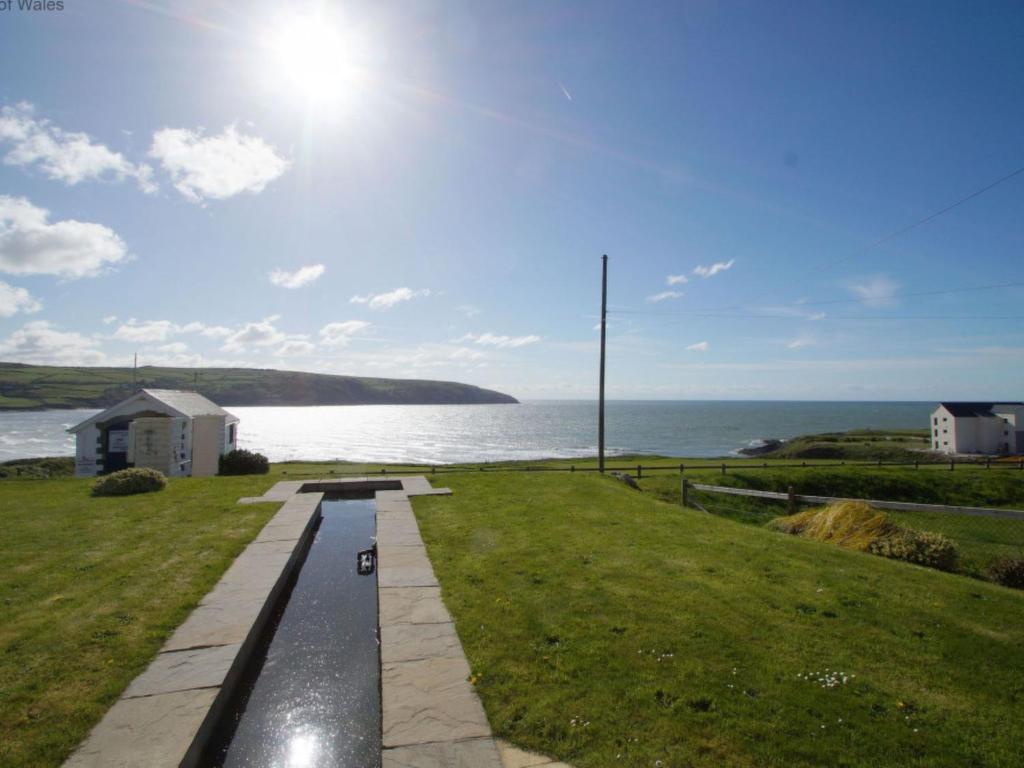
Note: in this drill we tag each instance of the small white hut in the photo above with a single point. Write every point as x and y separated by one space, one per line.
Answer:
179 433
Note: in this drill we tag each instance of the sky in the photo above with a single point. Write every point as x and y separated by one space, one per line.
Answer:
425 190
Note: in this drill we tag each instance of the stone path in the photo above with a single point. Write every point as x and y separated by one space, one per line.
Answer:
432 717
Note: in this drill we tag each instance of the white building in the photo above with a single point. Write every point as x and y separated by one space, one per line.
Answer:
178 433
985 428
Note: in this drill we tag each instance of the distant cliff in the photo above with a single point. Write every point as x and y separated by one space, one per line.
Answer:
35 387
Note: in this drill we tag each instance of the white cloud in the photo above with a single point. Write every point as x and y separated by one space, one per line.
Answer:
259 334
174 348
145 331
216 167
30 245
300 277
42 343
663 296
877 291
14 300
493 340
389 299
295 347
62 156
700 346
109 319
714 269
339 334
676 279
465 353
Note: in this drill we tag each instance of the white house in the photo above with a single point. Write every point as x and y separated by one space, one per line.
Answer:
986 428
178 433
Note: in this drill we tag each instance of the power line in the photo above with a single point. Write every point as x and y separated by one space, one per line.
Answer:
903 230
818 303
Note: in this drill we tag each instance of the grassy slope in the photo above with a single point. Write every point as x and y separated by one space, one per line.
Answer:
567 589
91 587
979 539
31 386
859 444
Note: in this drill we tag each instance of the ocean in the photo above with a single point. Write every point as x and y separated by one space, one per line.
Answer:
445 434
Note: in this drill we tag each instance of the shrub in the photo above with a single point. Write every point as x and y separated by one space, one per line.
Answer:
128 482
242 462
855 525
1008 571
921 547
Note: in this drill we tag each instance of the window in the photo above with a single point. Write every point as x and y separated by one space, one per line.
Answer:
231 434
945 442
936 419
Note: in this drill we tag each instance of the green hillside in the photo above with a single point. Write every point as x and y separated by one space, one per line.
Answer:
32 387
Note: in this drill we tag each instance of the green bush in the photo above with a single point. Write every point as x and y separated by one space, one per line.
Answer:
1008 571
128 482
242 462
921 547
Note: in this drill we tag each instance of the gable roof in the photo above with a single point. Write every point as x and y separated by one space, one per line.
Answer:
973 409
178 402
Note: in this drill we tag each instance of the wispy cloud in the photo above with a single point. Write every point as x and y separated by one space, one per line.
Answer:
300 277
259 334
700 346
14 300
663 296
44 343
676 279
61 155
468 310
565 90
877 291
340 334
31 245
494 340
801 342
216 167
714 269
389 299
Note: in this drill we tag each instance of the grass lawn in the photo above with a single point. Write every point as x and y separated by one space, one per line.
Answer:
980 540
91 587
609 628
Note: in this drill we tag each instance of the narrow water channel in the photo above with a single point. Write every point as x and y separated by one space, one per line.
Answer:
315 700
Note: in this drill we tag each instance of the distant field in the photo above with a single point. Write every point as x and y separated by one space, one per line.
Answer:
24 387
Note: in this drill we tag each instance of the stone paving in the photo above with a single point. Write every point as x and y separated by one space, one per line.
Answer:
432 717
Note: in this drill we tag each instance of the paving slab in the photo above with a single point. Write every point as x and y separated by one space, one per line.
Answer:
409 642
430 701
184 670
513 757
150 732
472 753
412 605
219 624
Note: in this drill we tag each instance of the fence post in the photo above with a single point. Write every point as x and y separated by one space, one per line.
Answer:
639 472
951 465
879 462
685 492
1020 464
791 501
572 467
723 469
915 464
988 463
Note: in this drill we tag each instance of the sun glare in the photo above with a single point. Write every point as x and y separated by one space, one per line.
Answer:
316 60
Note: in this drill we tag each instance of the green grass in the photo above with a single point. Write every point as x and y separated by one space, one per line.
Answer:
91 587
680 636
860 444
980 540
28 387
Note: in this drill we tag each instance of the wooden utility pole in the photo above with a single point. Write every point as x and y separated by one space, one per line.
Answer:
600 395
135 371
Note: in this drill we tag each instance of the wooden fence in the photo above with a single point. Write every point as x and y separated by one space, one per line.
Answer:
903 506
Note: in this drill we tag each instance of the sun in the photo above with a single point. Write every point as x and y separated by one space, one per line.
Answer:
317 60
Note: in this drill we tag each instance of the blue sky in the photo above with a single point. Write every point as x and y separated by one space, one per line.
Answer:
181 180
